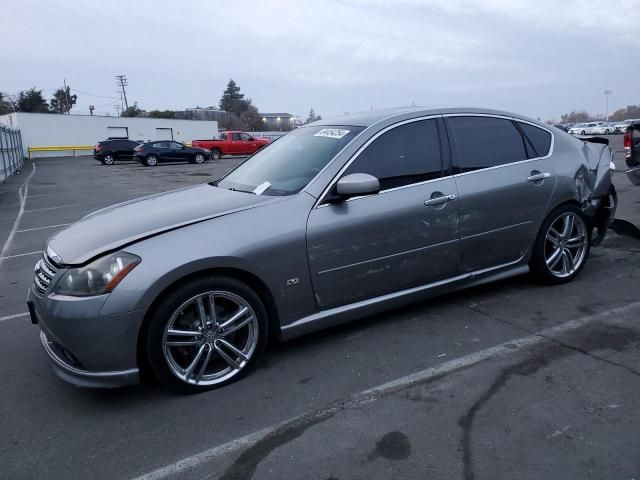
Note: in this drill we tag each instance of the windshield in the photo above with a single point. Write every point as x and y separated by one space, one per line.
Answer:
287 165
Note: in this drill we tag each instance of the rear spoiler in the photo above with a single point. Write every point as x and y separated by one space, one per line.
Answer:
601 140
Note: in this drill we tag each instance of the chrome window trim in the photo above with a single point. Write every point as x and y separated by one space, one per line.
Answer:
333 181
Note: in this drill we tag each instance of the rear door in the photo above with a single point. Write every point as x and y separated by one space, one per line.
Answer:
125 148
402 237
505 179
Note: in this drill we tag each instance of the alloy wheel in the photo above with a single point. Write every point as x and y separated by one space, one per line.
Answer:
199 158
108 159
210 338
565 245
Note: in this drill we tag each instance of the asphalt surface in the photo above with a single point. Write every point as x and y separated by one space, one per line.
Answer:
510 380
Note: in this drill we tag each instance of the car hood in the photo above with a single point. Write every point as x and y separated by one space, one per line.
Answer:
118 225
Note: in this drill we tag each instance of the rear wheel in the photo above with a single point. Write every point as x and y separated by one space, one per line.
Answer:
151 161
582 133
562 246
108 159
206 334
216 154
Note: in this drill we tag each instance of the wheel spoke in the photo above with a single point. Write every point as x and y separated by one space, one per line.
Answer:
232 363
576 242
568 226
553 260
212 307
567 263
553 237
183 343
183 333
233 349
195 361
202 315
229 324
204 363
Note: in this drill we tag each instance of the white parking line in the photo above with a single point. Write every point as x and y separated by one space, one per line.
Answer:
17 315
53 208
503 350
42 228
23 193
21 254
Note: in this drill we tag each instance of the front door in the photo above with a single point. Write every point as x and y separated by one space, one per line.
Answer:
402 237
505 185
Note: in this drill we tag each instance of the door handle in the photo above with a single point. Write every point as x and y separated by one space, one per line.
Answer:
439 200
538 176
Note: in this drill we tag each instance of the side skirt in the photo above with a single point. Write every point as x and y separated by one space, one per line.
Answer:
345 313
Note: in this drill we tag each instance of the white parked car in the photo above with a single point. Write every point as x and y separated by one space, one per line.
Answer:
605 128
582 128
622 126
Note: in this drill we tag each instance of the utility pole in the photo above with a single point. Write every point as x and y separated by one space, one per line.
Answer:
122 82
606 95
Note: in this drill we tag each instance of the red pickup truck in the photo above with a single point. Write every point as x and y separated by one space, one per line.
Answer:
231 143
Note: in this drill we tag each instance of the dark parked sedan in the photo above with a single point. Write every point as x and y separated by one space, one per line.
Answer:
108 151
151 153
337 220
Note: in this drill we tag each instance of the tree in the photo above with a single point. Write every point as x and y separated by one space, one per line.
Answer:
31 101
313 117
233 101
575 117
63 101
6 105
132 111
631 111
251 119
162 114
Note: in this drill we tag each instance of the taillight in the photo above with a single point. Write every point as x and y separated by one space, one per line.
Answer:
627 143
98 148
137 149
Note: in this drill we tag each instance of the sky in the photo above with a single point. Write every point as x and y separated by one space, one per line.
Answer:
539 58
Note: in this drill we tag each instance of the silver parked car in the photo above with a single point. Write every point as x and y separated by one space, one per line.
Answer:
334 221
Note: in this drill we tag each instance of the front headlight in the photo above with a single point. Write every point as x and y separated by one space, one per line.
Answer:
100 276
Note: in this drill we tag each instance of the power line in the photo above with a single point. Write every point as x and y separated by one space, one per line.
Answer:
92 94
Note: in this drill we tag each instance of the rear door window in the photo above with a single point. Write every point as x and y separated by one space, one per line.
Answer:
485 142
405 155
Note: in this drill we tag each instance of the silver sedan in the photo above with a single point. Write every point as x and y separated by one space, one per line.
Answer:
336 220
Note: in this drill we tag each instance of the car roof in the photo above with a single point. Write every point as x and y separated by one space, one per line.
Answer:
371 117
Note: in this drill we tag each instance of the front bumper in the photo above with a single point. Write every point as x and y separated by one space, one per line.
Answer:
86 348
84 378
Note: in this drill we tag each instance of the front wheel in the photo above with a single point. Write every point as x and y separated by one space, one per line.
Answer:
562 246
198 158
583 132
206 334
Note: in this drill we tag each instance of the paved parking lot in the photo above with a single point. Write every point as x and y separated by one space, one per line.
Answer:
509 380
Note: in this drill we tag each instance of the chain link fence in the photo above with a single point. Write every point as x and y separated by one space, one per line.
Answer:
11 156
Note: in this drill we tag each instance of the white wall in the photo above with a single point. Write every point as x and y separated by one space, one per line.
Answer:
49 129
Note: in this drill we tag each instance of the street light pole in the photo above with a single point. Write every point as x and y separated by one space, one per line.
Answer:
606 96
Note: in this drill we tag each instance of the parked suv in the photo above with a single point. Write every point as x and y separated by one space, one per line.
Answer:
108 151
337 220
150 153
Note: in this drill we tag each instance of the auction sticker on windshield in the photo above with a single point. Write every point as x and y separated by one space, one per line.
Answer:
332 133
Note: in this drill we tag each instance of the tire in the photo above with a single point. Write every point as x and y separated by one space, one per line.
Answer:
109 159
179 366
583 133
151 161
216 154
199 158
607 132
546 264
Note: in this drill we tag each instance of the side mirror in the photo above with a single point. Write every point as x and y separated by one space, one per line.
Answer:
357 184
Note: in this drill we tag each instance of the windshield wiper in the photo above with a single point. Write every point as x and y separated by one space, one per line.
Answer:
233 189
